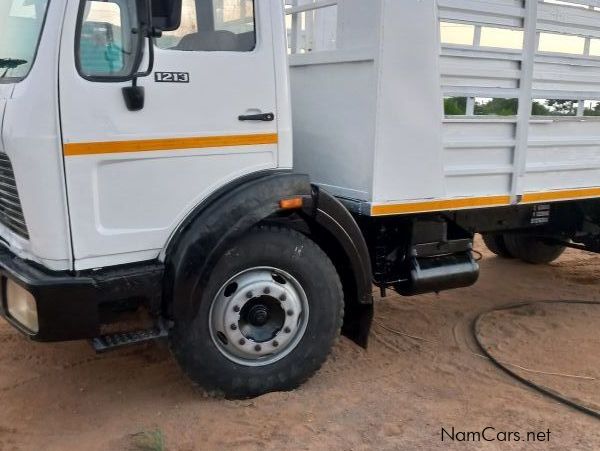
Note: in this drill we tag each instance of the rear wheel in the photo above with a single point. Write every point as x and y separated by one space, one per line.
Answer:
267 318
532 249
495 243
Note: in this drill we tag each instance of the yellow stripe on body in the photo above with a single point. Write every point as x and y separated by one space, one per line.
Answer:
554 196
439 205
482 202
153 145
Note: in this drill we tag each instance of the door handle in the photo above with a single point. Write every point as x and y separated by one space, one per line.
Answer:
264 117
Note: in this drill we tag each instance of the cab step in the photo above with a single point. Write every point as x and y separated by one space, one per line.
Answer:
111 342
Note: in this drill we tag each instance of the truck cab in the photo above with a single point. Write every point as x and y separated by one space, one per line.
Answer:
127 128
207 73
147 162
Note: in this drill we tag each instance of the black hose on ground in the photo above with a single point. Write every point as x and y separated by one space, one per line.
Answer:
540 388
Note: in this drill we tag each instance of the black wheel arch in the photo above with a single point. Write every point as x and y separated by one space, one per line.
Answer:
235 208
337 233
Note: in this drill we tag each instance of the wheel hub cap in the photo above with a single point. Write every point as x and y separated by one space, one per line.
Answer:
258 316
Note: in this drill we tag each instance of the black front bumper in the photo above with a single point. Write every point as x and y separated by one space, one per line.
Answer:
70 304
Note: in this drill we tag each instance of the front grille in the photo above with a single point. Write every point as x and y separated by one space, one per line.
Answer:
11 213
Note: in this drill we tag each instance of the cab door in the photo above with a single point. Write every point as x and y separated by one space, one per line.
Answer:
209 117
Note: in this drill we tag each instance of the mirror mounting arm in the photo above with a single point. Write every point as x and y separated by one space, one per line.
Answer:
134 95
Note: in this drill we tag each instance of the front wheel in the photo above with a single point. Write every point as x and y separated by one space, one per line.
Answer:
267 318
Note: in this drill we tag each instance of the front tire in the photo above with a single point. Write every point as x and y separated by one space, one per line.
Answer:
267 318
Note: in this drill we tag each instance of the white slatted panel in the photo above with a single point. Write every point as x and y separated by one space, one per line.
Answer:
312 25
480 152
563 153
488 155
476 72
566 77
569 20
472 71
506 13
479 156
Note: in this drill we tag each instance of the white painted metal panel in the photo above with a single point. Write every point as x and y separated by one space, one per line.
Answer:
126 205
473 148
567 77
564 153
334 101
333 136
408 150
418 156
565 19
478 156
507 13
31 139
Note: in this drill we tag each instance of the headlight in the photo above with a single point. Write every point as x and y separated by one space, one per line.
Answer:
21 306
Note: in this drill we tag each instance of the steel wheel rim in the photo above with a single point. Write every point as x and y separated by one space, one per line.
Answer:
258 316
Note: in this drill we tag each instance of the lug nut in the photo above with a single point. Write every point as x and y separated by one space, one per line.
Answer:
233 327
287 330
283 298
257 348
290 313
275 343
249 295
236 309
242 342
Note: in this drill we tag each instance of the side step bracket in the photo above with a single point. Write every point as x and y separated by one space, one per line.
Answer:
111 342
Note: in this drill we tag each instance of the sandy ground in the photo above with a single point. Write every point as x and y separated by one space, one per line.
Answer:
397 395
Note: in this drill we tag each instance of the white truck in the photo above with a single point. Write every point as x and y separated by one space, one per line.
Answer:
147 163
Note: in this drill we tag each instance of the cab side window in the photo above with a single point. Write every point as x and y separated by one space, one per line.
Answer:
213 26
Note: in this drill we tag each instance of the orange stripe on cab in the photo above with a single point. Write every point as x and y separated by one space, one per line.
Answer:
153 145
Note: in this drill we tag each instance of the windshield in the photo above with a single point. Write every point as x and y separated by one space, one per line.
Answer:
21 23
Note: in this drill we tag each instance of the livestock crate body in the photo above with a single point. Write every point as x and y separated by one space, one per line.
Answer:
369 81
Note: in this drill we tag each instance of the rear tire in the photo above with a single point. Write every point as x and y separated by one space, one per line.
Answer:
532 249
496 244
267 318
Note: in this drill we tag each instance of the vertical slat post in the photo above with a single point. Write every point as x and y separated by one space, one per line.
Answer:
310 30
470 106
580 108
294 32
525 100
477 37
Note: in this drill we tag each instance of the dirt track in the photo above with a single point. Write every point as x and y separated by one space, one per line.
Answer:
397 395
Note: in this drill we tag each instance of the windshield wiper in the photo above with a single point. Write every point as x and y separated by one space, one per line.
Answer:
10 63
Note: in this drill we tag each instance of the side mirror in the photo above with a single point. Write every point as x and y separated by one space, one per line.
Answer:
111 37
166 14
108 42
162 15
134 97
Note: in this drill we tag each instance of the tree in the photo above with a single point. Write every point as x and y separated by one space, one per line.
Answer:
539 110
498 107
455 106
562 107
594 111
